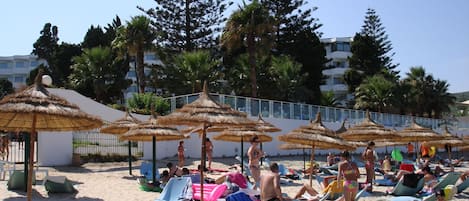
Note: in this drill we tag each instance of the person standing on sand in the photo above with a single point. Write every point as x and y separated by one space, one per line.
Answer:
349 171
369 159
181 153
270 185
209 151
255 154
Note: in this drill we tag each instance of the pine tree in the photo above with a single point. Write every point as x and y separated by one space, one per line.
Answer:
371 53
187 24
298 36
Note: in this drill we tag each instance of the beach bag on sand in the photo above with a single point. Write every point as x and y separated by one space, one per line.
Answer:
59 184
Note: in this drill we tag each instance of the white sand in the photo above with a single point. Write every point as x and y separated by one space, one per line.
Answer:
111 181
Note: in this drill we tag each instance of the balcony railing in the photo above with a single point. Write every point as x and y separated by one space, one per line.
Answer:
301 111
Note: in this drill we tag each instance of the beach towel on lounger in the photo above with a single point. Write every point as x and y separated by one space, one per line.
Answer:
177 189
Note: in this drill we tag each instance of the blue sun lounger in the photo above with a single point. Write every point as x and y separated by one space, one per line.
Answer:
462 186
146 171
177 189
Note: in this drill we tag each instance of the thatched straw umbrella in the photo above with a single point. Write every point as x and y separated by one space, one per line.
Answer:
317 136
35 109
449 140
120 127
242 134
290 146
205 112
368 130
417 133
153 131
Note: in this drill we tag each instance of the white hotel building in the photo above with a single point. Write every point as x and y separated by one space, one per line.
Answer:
338 50
16 68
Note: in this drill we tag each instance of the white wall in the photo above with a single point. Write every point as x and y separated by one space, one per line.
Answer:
55 148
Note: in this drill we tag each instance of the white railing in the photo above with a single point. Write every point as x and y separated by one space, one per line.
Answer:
301 111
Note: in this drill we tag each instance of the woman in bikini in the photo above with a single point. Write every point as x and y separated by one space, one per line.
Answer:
369 159
349 171
209 151
254 155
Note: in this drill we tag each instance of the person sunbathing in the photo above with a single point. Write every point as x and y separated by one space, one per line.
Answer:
173 170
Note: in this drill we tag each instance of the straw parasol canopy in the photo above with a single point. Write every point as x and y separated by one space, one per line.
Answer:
417 133
368 130
290 146
205 112
315 135
265 126
35 109
342 128
153 131
242 134
120 127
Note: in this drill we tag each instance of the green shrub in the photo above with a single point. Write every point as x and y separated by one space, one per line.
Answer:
141 103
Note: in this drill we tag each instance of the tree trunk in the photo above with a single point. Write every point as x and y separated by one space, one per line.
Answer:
188 45
140 70
252 64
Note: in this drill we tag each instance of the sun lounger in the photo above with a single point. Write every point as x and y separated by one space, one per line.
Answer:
463 185
450 179
401 190
177 189
211 191
238 196
431 197
6 166
16 181
58 184
385 182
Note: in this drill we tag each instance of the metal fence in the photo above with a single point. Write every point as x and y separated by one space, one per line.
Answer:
93 142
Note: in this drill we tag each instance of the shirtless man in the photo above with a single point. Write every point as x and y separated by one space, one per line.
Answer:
270 185
255 154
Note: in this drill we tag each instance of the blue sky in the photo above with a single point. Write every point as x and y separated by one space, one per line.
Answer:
429 33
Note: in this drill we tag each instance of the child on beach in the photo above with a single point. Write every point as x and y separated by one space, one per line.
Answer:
181 153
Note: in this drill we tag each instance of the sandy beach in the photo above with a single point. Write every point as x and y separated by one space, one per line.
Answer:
111 181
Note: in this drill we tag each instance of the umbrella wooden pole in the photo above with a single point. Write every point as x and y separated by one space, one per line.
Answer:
260 146
31 159
304 160
154 160
130 157
26 160
202 158
242 155
311 166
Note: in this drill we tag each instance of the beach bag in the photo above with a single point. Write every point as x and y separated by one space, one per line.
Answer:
411 180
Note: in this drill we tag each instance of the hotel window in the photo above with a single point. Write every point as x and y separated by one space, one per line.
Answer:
3 65
19 79
20 64
34 63
341 46
131 74
149 57
338 80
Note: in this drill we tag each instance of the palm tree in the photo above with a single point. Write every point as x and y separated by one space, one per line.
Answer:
285 73
196 67
93 69
429 96
134 38
375 93
328 99
250 26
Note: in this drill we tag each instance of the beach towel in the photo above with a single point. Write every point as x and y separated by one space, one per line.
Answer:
16 181
238 179
238 196
177 189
